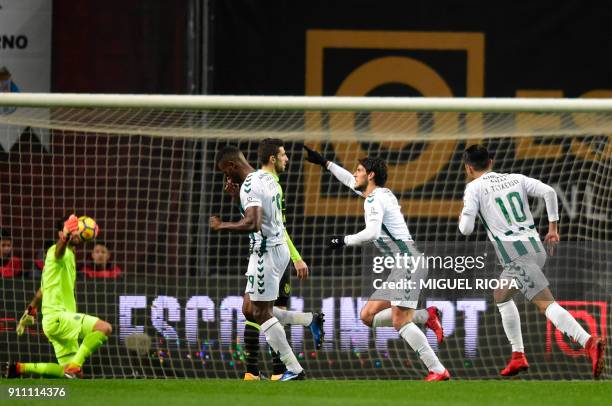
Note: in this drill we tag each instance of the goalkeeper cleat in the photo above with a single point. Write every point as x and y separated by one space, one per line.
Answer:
434 377
73 371
251 377
316 327
518 363
596 349
434 324
11 370
292 376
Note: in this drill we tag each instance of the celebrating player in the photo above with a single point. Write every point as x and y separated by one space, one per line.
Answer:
260 204
387 229
62 325
500 200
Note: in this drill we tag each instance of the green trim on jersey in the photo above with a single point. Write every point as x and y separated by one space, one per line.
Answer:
57 284
400 244
262 246
293 252
500 245
520 248
384 246
535 244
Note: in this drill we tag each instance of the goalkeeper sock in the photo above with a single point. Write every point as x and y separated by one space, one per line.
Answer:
91 342
291 317
275 335
383 319
46 369
418 342
565 322
420 316
251 346
511 320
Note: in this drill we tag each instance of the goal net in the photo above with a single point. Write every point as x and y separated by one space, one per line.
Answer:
143 168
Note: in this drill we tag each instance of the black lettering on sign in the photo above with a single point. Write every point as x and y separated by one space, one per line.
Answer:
13 42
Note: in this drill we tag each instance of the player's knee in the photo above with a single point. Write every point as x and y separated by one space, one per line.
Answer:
366 317
499 296
104 327
398 324
261 315
400 320
246 310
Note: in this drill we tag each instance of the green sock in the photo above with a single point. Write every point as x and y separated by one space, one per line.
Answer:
91 342
46 369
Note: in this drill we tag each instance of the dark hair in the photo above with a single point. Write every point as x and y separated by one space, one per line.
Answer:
477 156
228 152
5 234
59 226
100 242
378 166
267 148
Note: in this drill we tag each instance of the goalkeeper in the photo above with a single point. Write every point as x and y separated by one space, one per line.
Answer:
62 325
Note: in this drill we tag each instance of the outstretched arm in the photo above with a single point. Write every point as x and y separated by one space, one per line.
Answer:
339 172
343 176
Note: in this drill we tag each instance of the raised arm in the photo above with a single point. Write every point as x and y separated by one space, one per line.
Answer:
339 172
343 176
70 226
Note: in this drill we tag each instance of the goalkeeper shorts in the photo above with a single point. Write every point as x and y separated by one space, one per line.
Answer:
266 268
64 330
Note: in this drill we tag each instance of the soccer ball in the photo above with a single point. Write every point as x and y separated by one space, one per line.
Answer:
88 229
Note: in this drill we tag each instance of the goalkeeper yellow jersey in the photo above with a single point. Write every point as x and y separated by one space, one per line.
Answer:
57 283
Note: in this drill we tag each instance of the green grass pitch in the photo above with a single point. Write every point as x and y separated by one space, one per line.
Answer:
206 392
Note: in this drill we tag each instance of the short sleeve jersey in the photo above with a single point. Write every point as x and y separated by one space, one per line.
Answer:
260 189
500 200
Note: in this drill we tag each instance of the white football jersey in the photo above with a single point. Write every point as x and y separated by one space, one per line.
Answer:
382 211
382 206
500 200
260 189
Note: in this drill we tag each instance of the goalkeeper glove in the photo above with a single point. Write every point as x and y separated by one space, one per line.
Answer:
336 242
70 226
315 158
27 319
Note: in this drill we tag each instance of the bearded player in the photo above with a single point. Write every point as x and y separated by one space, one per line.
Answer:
500 200
387 229
273 160
62 325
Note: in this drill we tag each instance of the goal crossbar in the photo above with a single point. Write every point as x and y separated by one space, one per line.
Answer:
308 103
